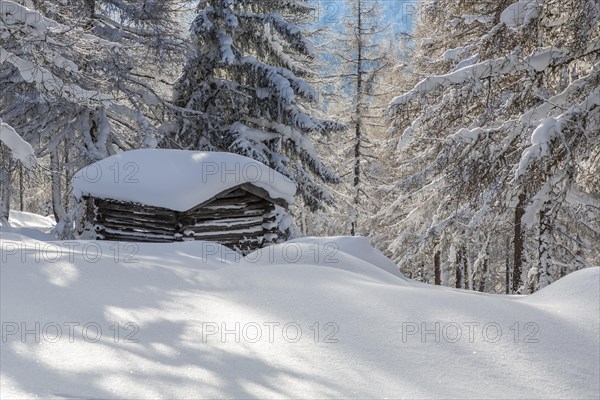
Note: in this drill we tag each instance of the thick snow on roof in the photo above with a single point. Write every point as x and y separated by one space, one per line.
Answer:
176 179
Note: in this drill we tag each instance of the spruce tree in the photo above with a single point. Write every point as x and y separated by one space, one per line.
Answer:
244 90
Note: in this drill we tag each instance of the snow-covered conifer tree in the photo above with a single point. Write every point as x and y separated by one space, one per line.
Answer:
498 140
243 90
77 79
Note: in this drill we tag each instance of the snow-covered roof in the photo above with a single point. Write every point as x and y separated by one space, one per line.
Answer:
176 179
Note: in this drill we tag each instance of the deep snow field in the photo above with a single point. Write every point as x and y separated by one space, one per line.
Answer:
312 318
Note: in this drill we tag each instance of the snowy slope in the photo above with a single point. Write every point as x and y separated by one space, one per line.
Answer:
342 252
31 225
182 296
152 176
23 219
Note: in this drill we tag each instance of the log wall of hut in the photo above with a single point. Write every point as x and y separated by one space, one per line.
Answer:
238 219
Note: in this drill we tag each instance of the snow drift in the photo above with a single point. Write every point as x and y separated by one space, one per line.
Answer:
315 318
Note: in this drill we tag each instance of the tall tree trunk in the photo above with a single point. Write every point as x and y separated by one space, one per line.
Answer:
518 245
21 189
484 275
507 267
544 277
437 267
459 268
467 269
90 9
5 184
358 116
67 171
57 206
482 270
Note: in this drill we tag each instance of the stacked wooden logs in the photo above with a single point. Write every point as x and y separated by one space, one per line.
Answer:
237 219
133 222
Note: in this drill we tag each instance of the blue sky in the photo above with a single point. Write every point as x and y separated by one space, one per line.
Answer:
400 13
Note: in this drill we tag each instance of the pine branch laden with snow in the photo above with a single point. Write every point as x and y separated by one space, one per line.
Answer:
243 90
20 149
508 108
75 83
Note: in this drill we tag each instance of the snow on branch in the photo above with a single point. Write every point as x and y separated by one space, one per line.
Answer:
561 100
538 61
521 13
556 183
45 79
21 150
12 13
282 81
286 29
16 18
551 128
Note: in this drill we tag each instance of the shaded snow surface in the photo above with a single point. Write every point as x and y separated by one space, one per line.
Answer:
350 327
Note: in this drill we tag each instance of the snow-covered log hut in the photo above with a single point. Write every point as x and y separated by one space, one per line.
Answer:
154 195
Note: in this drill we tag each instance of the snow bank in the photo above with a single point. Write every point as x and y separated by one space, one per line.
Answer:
23 219
190 320
24 225
356 246
351 254
579 292
176 179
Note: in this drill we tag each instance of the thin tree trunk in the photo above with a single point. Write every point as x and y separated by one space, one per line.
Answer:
21 189
518 245
90 8
437 268
544 277
66 168
467 269
57 207
5 185
358 116
484 276
507 268
459 268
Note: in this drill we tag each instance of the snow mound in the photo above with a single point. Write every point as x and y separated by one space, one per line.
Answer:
24 234
356 246
23 219
24 225
332 252
176 179
580 288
